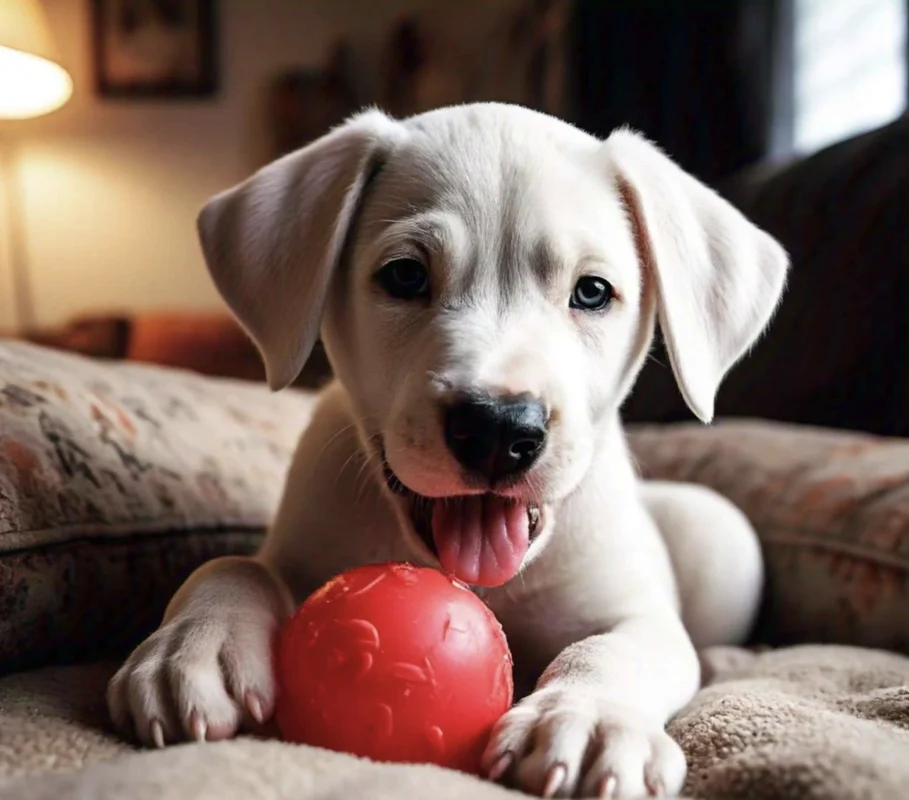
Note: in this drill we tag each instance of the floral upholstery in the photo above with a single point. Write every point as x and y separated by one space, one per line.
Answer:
832 512
116 480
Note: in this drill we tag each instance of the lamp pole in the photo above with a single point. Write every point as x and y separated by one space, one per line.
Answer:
16 250
32 83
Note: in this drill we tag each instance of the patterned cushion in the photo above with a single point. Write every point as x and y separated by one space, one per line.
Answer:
116 481
832 512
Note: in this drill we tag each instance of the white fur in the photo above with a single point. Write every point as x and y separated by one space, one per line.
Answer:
508 208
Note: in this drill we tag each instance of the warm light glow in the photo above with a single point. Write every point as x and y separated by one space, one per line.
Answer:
32 82
31 85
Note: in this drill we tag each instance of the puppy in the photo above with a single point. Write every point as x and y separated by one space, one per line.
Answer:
486 280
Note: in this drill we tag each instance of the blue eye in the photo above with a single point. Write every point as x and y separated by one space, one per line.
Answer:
591 294
404 279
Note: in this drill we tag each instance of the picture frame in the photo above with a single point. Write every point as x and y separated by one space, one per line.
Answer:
155 48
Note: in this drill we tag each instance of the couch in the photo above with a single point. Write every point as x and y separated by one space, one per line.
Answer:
117 479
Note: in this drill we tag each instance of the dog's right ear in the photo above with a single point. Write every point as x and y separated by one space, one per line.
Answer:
272 242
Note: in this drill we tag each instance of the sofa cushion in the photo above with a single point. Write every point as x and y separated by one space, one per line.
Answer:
116 481
832 513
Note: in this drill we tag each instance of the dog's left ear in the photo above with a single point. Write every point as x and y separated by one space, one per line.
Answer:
718 277
272 242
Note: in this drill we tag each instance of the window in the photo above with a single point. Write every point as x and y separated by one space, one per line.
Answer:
850 68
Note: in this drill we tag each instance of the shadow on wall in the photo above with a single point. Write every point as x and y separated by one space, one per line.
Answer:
514 53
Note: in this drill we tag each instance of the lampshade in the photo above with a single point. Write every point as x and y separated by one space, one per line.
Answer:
32 82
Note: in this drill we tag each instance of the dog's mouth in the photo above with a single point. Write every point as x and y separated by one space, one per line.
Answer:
481 539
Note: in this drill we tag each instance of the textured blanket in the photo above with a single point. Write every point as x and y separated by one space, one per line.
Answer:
806 722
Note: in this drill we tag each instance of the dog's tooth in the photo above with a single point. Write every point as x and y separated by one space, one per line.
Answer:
533 519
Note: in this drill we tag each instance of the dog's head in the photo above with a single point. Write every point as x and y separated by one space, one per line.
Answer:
487 280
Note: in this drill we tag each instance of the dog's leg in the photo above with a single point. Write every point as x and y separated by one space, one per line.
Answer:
716 558
207 670
594 727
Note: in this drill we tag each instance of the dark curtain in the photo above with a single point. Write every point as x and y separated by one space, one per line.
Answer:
837 353
697 76
711 83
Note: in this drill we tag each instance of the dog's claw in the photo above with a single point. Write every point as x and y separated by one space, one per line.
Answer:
157 733
608 787
197 726
555 780
655 788
500 767
254 704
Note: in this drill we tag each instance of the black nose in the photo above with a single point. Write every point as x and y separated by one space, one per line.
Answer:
496 437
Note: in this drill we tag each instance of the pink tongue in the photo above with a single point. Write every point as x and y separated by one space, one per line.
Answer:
481 539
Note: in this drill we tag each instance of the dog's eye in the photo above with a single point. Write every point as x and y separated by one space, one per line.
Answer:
404 279
591 294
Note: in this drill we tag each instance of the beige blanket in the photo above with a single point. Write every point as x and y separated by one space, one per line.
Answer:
808 722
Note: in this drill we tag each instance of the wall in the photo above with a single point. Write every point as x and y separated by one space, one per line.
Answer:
110 189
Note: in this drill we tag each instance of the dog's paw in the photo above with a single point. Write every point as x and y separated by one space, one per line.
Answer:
196 677
566 742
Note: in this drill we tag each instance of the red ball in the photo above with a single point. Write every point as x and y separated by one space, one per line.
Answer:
394 663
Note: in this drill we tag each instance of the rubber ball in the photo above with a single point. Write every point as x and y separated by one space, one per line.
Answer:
394 663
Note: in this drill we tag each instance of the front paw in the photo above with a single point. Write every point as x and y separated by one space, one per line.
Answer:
567 742
197 677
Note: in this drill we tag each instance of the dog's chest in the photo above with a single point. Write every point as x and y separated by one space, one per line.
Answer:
544 612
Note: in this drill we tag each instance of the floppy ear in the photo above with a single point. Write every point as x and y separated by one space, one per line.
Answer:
718 276
272 242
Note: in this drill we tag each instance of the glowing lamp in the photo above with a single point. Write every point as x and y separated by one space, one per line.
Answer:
32 82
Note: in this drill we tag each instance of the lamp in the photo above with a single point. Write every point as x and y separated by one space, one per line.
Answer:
32 83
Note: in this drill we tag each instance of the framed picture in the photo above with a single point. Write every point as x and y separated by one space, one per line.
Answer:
155 48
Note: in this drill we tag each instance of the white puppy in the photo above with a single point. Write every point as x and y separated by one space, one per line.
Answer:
487 281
